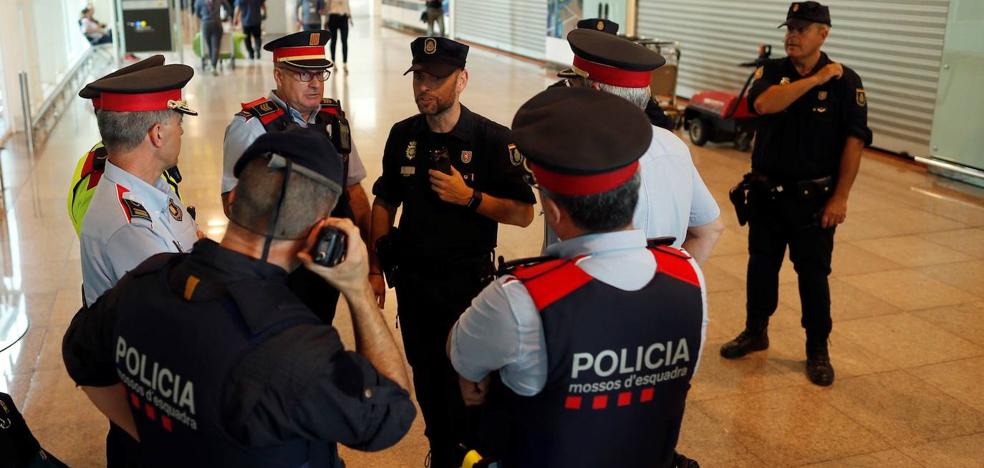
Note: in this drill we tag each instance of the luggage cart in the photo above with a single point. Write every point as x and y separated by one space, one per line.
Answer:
664 83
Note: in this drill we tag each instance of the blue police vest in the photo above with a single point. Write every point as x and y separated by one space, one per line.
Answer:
175 356
620 364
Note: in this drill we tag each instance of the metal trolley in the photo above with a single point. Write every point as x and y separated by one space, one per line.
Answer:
664 83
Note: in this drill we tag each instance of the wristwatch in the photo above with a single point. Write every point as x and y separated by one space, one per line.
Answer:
476 200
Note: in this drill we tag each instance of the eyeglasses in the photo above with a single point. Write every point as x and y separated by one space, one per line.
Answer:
307 76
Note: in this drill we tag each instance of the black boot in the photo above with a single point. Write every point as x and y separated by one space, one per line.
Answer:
818 368
746 342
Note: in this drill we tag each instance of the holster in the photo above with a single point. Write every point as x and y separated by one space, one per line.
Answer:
740 194
388 252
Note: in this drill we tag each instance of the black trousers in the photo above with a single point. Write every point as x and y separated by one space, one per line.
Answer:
122 451
254 34
338 24
430 302
772 226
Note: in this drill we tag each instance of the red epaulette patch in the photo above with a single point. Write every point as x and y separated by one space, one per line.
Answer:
94 166
265 109
131 208
675 263
551 281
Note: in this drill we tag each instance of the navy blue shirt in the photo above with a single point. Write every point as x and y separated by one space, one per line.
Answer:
250 11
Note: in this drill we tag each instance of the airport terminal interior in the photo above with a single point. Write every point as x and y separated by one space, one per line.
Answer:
907 281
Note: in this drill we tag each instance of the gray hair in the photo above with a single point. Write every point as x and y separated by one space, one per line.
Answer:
124 131
258 191
638 96
602 212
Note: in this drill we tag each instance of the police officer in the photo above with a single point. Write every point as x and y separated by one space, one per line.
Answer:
89 169
673 200
133 213
569 76
594 348
300 69
806 156
210 360
457 174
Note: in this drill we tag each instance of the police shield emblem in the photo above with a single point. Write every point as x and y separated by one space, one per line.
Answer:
174 210
859 97
315 39
430 46
466 157
759 72
515 157
600 25
411 149
822 95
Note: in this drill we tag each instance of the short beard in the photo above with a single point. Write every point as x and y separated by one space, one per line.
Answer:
441 107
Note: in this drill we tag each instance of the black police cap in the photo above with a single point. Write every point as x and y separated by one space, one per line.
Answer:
305 49
808 12
438 56
598 24
150 89
310 152
581 141
149 62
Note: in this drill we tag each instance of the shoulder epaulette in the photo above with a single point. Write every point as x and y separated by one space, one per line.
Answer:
263 108
676 263
94 166
552 280
331 106
132 209
507 268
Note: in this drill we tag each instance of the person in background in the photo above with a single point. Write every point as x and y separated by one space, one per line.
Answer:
309 14
95 32
434 15
250 13
338 22
209 12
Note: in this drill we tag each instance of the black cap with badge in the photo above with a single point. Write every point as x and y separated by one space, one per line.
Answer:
305 49
598 24
437 56
807 12
150 89
581 141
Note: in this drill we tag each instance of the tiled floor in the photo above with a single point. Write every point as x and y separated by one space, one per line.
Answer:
907 283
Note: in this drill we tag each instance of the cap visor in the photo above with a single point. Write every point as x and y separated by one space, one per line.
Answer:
796 23
318 64
437 69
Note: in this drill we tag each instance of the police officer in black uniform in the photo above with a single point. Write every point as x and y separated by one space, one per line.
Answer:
300 69
595 347
569 77
210 360
806 157
456 174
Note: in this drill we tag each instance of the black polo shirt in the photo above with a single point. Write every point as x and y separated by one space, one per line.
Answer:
806 140
482 151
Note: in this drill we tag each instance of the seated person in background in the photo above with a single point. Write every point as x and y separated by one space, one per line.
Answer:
95 32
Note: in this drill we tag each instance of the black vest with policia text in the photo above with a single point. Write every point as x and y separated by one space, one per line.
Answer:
176 358
330 119
620 364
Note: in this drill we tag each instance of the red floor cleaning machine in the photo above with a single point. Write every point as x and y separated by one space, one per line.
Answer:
720 116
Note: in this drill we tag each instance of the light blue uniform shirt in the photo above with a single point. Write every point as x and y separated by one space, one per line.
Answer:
501 330
128 221
672 196
242 132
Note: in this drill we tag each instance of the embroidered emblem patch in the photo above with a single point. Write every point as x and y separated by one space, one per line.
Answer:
822 95
174 210
859 97
515 157
430 46
315 39
759 72
136 209
265 108
407 171
796 7
412 149
466 157
601 25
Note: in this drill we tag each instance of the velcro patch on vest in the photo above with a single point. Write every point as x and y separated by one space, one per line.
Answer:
676 264
264 109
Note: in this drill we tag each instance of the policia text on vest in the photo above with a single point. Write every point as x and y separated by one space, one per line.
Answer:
644 365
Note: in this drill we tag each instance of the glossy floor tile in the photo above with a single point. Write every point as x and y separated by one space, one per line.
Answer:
907 295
